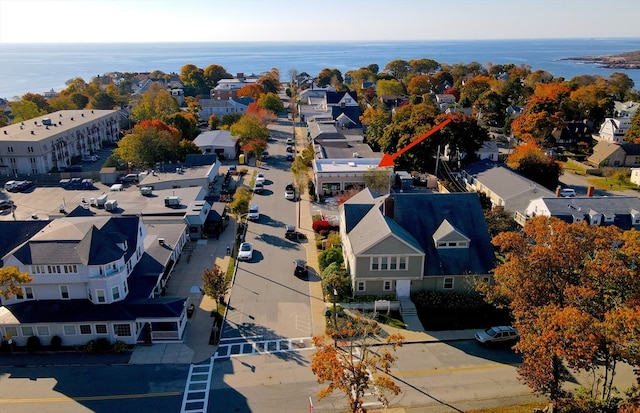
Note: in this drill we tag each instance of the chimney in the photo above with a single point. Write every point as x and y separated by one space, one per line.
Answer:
388 207
558 191
590 191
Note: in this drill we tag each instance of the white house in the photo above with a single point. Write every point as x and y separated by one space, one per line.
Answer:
614 129
219 142
635 176
93 277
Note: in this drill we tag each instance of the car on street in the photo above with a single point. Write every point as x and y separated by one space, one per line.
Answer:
567 192
254 213
290 157
10 186
497 335
300 268
289 191
290 232
258 188
289 141
260 178
289 148
24 186
245 252
129 178
265 156
6 204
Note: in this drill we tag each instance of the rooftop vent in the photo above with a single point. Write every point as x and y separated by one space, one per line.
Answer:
161 241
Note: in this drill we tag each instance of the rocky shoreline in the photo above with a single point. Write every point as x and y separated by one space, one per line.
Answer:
628 60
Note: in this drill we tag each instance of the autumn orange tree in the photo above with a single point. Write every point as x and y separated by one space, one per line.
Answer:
353 367
542 114
531 161
574 293
11 279
215 283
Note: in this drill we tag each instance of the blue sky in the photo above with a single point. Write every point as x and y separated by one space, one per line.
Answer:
41 21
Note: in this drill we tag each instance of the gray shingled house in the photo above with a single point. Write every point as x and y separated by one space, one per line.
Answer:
404 243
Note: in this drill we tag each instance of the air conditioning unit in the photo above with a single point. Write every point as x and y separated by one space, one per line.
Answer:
161 241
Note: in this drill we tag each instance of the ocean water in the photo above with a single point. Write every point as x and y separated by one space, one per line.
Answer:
39 68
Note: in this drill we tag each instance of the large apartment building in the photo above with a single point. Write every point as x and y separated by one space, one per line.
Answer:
39 145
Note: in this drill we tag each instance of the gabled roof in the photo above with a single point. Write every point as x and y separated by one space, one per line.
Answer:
335 97
447 232
85 240
620 207
351 112
422 216
516 190
603 150
15 233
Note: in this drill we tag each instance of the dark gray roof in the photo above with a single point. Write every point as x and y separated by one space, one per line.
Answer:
621 207
78 311
352 112
200 160
422 214
336 97
15 233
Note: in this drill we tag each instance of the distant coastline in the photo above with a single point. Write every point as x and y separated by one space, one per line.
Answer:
628 60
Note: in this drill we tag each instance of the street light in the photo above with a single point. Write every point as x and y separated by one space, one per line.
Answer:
335 314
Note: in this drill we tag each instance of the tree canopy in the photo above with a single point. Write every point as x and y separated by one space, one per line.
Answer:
11 279
574 293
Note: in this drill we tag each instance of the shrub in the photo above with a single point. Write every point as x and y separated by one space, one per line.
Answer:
102 344
316 217
90 347
33 344
321 225
329 256
56 343
119 346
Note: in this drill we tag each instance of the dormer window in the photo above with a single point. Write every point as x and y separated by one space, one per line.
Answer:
635 217
448 236
609 217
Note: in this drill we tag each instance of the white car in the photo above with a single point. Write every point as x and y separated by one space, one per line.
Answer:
289 192
245 252
254 213
567 192
260 178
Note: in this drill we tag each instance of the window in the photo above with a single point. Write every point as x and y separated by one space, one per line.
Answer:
393 263
115 293
448 283
100 296
85 329
360 286
69 330
122 330
11 331
402 263
28 292
27 331
374 264
386 286
384 263
43 330
64 292
37 269
101 329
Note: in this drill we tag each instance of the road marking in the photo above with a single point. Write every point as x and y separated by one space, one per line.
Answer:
89 398
450 370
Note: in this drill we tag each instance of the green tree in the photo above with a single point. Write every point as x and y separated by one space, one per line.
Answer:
187 147
355 367
241 199
378 180
40 101
186 123
270 82
193 80
398 68
24 110
213 74
155 103
215 283
389 87
272 102
328 256
11 279
229 119
102 101
423 66
329 77
249 127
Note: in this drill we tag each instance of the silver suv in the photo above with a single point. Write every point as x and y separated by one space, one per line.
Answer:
497 335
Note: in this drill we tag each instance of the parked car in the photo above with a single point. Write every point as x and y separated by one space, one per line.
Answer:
129 178
290 157
497 335
300 268
265 155
245 252
6 204
289 141
254 213
233 170
260 178
23 186
290 232
258 188
290 149
289 191
10 186
567 192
